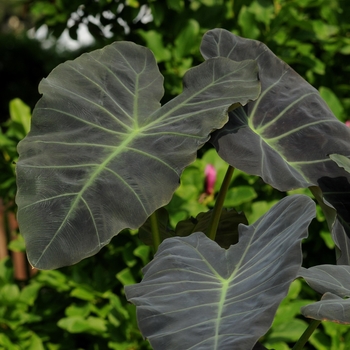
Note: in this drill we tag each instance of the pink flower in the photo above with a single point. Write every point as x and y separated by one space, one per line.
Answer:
210 178
347 123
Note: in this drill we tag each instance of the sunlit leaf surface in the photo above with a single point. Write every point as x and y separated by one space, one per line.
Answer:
102 154
196 295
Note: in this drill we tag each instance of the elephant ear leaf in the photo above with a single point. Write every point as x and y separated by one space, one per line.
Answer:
288 133
102 154
334 283
331 307
197 295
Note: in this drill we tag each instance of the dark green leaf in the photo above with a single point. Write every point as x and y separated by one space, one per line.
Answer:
145 231
195 294
227 232
286 136
328 278
102 155
330 308
342 241
238 195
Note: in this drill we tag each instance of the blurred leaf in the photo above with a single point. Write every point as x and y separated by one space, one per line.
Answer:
20 113
83 293
81 310
327 238
287 332
277 345
143 252
324 31
339 335
55 279
145 231
258 209
247 22
29 293
176 5
78 324
238 195
9 294
17 244
35 343
128 254
126 277
227 232
332 101
7 344
6 271
263 11
188 39
154 41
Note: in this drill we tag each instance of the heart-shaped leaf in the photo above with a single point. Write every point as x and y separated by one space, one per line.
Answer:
330 308
328 278
286 136
196 295
102 154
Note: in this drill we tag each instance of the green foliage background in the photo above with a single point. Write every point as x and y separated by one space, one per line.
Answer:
83 306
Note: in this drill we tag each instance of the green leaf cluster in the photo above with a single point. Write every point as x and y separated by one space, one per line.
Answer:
77 307
11 132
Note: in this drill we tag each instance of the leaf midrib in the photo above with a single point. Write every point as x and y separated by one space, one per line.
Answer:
90 181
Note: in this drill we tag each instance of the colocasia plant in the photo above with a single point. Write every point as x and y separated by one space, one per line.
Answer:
103 155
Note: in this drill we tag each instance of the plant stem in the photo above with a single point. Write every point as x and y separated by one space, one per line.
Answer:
155 231
216 214
306 335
